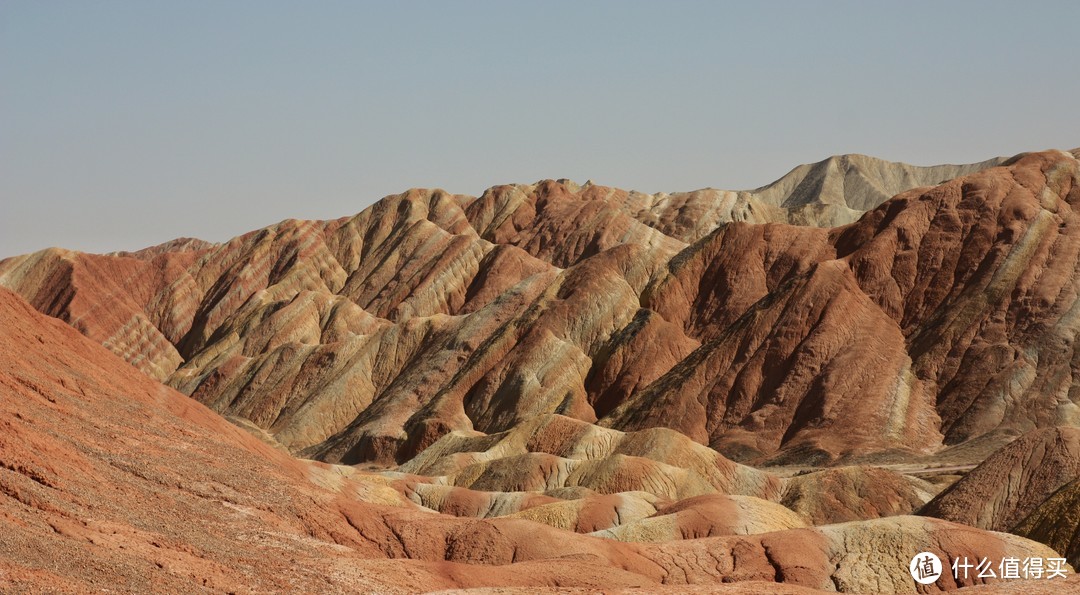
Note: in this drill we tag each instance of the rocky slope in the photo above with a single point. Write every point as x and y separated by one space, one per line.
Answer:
846 494
111 480
551 452
1031 487
832 192
1005 488
943 315
1056 522
554 372
707 516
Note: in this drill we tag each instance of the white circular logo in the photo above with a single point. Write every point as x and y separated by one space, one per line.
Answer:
925 568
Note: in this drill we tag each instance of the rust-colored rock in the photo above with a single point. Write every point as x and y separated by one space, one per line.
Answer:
979 274
109 478
844 494
707 516
1010 484
1031 487
941 316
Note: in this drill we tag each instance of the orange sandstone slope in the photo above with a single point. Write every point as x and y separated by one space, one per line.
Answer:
110 480
1031 487
941 316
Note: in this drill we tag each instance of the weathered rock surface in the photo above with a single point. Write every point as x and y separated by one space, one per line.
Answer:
793 373
836 557
593 512
551 452
575 509
844 494
1031 487
707 516
941 316
109 478
1056 522
979 274
464 502
1010 484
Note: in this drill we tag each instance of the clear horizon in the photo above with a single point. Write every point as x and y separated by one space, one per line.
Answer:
125 124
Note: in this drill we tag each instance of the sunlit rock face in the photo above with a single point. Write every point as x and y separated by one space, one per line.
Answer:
939 316
554 385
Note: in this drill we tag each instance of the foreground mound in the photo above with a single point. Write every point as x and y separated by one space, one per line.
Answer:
1056 522
1030 487
853 493
708 516
553 451
109 479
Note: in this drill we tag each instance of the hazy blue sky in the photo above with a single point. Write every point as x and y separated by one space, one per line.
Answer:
124 124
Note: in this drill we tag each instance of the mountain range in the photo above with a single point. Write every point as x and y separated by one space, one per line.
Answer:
683 389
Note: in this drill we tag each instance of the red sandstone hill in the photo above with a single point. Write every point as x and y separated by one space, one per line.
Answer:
109 480
544 362
941 316
1031 487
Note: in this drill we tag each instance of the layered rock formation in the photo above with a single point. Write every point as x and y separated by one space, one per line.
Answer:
1056 522
1030 487
707 516
941 316
846 494
832 192
557 372
551 452
1005 488
111 480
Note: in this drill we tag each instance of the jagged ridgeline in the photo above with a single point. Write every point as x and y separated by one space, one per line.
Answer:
814 320
566 386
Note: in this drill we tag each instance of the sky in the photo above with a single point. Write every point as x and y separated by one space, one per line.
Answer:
126 124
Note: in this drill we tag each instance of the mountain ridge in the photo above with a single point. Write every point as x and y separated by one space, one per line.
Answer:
109 478
787 182
536 372
430 312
